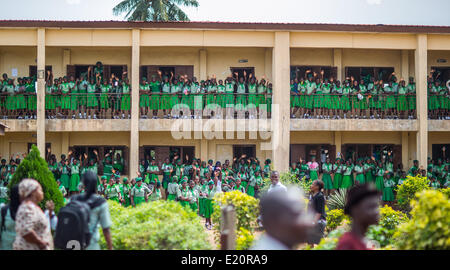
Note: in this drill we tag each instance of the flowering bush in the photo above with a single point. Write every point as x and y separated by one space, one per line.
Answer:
335 218
244 239
429 226
387 226
407 191
446 192
159 225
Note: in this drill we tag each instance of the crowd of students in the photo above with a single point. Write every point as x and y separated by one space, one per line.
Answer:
314 96
346 173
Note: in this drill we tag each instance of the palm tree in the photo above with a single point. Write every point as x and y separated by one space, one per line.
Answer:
154 10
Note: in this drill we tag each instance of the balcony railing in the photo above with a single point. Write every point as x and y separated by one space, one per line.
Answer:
336 106
214 105
18 106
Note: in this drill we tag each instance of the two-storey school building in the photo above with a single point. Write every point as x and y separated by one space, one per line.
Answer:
202 49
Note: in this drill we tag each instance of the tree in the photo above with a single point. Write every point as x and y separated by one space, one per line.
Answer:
35 167
154 10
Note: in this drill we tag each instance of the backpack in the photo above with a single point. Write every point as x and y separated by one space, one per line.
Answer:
72 230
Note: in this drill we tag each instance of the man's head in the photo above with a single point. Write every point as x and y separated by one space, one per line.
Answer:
284 216
363 204
274 177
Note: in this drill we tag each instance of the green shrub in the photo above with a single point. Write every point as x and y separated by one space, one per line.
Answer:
387 226
335 218
446 191
246 207
330 242
35 167
244 239
429 226
407 191
337 200
159 225
288 179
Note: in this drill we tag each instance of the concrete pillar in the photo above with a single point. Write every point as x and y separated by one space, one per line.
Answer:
204 150
64 143
203 65
66 61
338 142
281 101
405 150
41 91
337 62
134 132
421 55
405 66
268 64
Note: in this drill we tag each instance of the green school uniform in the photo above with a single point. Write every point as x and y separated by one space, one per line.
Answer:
241 98
65 179
261 89
186 194
125 102
402 102
152 170
166 174
209 208
252 97
369 175
326 176
50 103
125 190
201 199
74 177
21 102
156 194
11 99
107 170
345 100
388 193
194 199
254 181
144 100
138 194
359 174
172 190
309 99
82 93
31 96
347 179
104 97
411 91
155 88
3 194
112 192
92 101
175 90
379 180
229 90
166 103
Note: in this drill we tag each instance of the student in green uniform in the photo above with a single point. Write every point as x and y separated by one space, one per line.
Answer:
359 170
105 89
118 163
175 92
252 96
347 172
326 99
3 193
345 99
327 169
336 93
167 169
402 179
202 194
368 171
211 89
172 189
220 96
187 99
11 99
155 194
31 97
74 177
241 98
311 87
209 208
112 191
155 91
81 86
125 102
267 169
144 99
64 172
152 172
238 186
193 203
230 84
295 171
254 184
413 170
166 102
390 105
50 104
92 101
139 193
125 190
402 102
379 180
63 191
183 194
388 190
434 183
101 188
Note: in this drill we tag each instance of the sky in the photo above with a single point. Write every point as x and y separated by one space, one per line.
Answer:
406 12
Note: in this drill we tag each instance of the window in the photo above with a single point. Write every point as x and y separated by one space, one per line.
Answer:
441 151
240 71
248 150
149 71
163 152
33 70
441 73
300 71
379 73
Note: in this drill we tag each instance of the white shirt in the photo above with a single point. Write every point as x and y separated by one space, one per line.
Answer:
278 186
219 186
267 242
53 222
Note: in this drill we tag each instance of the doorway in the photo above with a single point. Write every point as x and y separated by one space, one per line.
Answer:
441 151
248 150
240 71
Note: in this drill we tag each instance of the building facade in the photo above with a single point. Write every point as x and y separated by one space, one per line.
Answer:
207 49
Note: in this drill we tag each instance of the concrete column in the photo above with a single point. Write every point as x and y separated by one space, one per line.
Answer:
405 149
203 65
41 91
421 55
66 61
268 64
405 66
337 62
338 141
134 132
204 150
281 100
64 143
